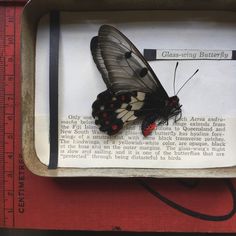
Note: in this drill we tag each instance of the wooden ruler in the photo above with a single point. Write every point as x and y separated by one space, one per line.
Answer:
9 107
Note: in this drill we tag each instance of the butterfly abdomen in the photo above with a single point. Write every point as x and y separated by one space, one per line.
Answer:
148 124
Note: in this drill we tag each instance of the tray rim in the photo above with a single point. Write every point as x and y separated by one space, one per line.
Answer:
30 17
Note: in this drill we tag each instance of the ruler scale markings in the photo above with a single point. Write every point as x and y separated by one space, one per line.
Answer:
7 115
2 118
10 61
13 121
19 175
10 12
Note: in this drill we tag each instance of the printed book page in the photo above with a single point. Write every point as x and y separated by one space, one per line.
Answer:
205 135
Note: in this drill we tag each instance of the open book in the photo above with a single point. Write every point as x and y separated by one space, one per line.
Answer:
205 135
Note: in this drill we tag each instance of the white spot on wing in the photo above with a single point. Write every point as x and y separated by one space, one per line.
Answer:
137 105
127 116
140 96
119 110
132 118
121 114
124 105
133 99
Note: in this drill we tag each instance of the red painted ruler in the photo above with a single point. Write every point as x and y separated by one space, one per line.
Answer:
9 107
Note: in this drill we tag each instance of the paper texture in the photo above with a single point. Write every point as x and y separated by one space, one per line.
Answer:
205 135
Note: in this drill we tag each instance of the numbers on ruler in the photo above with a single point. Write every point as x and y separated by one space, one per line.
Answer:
9 210
9 119
9 40
7 106
9 174
9 155
9 99
9 65
10 16
9 82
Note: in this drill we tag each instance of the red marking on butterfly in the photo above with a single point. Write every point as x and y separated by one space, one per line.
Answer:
105 115
149 129
114 127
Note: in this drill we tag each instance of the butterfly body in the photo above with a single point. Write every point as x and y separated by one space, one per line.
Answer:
133 91
112 112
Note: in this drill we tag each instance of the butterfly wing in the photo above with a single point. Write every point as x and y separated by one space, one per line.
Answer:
122 66
98 59
129 78
112 111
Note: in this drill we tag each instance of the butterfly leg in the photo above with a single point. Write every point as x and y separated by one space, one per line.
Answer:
178 116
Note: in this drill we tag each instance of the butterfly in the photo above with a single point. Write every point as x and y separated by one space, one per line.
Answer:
133 89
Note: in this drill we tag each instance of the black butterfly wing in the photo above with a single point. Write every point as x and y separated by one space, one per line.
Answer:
112 111
122 66
130 80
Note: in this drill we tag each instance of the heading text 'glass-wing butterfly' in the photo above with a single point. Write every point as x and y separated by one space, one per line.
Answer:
133 89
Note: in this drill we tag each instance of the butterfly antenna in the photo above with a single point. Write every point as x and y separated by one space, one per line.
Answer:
175 76
187 81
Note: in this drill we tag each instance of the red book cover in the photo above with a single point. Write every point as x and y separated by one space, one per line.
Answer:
147 205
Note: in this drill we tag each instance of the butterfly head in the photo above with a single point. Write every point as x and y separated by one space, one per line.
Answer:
173 102
173 107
